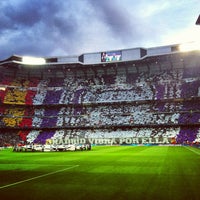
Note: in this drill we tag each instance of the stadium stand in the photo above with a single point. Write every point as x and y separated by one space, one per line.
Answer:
153 100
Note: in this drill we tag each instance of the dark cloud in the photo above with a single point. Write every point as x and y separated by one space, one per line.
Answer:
117 18
71 27
24 14
35 26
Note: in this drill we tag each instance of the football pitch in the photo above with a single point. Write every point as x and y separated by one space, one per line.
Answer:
105 172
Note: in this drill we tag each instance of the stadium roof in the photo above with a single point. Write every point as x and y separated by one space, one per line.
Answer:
198 21
133 54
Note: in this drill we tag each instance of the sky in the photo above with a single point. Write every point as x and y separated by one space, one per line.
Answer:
53 28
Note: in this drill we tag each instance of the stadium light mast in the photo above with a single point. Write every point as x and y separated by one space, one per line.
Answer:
198 21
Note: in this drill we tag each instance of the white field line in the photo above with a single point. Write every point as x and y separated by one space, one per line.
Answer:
37 177
198 153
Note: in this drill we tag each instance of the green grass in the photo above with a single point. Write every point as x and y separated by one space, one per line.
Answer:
105 172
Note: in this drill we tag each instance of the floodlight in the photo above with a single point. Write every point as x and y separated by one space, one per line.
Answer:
33 60
2 88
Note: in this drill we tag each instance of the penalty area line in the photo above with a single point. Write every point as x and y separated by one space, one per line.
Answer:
37 177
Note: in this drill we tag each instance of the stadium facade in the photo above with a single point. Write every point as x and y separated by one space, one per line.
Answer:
129 96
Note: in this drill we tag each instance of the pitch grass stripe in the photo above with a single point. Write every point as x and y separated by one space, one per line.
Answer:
198 153
36 177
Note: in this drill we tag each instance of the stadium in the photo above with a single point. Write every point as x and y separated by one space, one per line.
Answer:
131 96
136 109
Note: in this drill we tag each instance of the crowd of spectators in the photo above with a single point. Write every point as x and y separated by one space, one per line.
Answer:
117 114
134 101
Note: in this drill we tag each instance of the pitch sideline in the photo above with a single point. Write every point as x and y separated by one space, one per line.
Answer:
198 153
